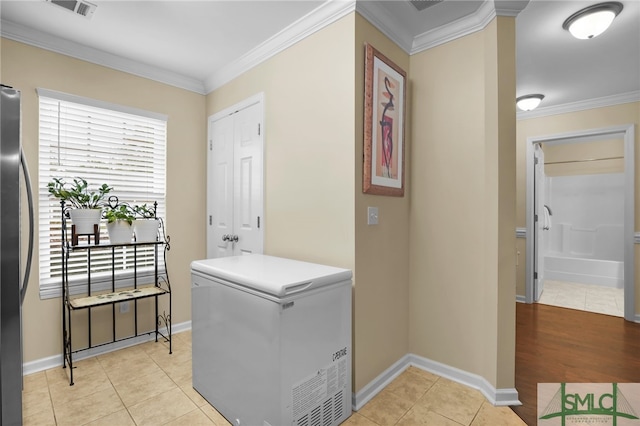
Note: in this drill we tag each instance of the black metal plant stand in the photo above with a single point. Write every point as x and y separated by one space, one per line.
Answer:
91 298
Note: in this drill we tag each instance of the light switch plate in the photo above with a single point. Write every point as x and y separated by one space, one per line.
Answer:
372 215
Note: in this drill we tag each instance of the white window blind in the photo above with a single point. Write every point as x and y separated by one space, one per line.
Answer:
101 143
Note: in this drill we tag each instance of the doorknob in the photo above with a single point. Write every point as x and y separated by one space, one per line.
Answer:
230 237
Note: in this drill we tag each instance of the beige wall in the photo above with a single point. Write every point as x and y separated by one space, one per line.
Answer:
596 118
308 145
435 277
382 251
501 39
27 68
584 158
462 217
314 206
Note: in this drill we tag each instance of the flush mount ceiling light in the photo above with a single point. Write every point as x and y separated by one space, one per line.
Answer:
529 102
593 20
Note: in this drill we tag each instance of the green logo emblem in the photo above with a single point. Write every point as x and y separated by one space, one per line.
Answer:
584 406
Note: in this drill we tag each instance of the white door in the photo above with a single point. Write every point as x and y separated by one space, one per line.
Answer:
540 227
235 182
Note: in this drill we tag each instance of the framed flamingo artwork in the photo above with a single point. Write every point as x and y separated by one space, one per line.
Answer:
384 112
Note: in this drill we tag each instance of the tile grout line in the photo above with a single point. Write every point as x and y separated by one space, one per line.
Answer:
414 403
115 390
53 410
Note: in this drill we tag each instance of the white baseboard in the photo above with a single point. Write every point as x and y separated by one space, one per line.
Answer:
358 400
521 298
498 397
56 360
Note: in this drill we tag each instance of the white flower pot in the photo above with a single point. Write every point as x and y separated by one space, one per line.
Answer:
120 232
146 230
84 219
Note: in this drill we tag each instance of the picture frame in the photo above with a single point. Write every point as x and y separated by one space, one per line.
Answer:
384 125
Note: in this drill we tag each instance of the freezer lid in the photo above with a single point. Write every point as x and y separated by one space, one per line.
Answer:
272 275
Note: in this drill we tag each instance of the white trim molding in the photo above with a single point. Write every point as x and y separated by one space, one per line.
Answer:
497 397
314 21
324 15
66 47
522 233
456 29
56 360
374 387
626 132
380 18
466 25
605 101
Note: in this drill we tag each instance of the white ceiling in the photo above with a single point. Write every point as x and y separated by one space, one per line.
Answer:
199 45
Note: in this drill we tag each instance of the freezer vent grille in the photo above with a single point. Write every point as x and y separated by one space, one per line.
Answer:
325 414
337 405
315 417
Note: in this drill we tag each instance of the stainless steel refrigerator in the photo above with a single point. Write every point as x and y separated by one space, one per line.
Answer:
14 274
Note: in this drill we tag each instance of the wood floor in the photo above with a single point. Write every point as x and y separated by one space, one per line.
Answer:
555 345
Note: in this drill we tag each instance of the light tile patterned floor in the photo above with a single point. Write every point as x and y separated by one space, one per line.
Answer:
144 385
584 297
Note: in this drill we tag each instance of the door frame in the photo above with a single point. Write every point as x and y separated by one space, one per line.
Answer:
626 132
245 103
537 235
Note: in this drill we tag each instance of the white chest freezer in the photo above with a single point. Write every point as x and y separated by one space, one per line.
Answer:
271 340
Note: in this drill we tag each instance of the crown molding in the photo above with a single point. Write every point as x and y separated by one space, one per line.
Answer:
459 28
605 101
510 7
317 19
466 25
70 48
380 18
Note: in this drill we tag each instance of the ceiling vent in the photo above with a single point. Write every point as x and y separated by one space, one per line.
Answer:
82 8
423 4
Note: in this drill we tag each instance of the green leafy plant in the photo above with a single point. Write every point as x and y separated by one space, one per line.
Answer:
145 211
77 194
121 212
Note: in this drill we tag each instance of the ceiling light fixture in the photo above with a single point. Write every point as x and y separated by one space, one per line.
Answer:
529 102
593 20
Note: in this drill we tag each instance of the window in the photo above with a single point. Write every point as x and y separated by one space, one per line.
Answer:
102 143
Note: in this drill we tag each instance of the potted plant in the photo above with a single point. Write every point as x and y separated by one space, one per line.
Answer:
120 219
85 204
146 229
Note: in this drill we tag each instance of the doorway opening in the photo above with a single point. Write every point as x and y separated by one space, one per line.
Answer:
550 230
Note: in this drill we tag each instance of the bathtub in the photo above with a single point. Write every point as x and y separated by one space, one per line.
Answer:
588 255
607 273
